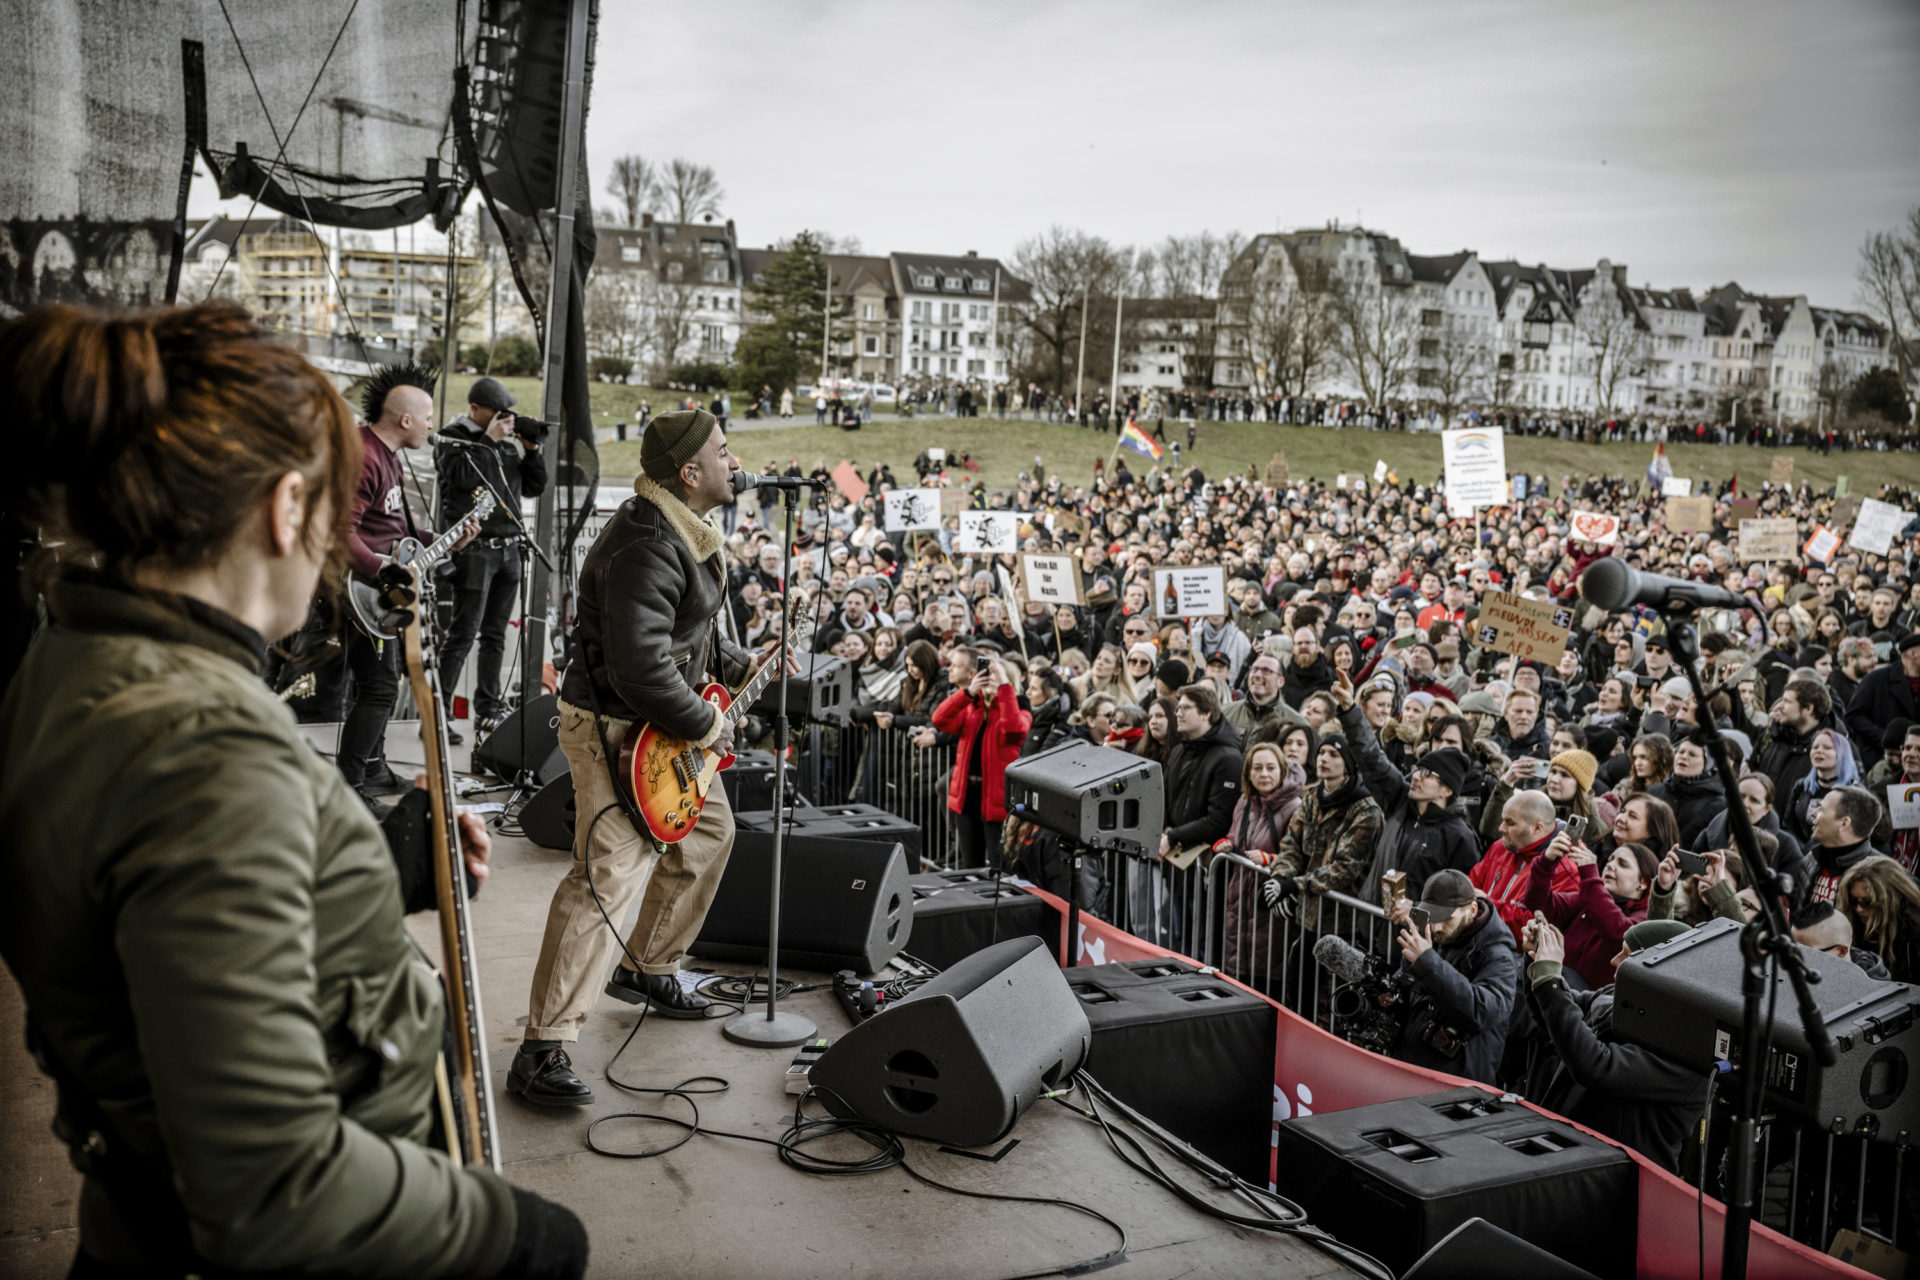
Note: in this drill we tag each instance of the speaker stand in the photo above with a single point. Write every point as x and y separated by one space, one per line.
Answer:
775 1029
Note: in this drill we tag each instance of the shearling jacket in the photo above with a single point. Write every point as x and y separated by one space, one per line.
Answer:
646 638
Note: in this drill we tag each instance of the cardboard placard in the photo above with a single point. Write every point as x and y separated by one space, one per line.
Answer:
1689 515
1476 469
1197 592
849 482
911 509
1879 524
990 532
1769 539
1051 579
952 501
1594 526
1821 545
1676 487
1527 629
1743 509
1903 805
1277 475
1782 470
1843 512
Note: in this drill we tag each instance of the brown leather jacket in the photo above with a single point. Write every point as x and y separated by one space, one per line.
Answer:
651 591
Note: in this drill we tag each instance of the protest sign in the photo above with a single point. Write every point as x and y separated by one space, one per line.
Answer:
936 453
1742 509
1842 513
1476 469
1277 474
1903 805
992 532
1196 592
1879 524
1782 470
1527 629
1839 486
1769 539
1676 487
1821 545
1689 515
910 509
1519 486
1380 471
1595 526
849 482
1051 579
1341 481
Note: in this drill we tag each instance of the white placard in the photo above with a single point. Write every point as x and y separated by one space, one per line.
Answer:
1903 805
1380 471
993 532
1676 487
1051 579
1596 527
1821 546
1878 524
936 453
1476 469
1340 481
910 509
1199 592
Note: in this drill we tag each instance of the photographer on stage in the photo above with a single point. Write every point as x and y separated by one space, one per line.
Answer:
501 455
1463 961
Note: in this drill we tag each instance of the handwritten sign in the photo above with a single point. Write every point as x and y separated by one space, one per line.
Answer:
1676 487
1821 545
1051 579
1689 515
1879 524
1342 480
909 509
1190 593
1277 474
849 482
992 532
1743 509
1476 469
1380 471
1769 539
1782 470
1533 630
1903 805
1596 527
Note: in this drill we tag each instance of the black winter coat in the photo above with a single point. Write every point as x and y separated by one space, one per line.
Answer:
1468 987
1784 754
1304 682
1695 802
1883 697
1202 786
1633 1095
1435 840
1790 857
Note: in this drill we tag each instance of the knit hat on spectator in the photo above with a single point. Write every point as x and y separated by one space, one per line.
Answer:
1651 933
1581 765
1601 741
489 394
1906 642
1450 765
1174 673
1896 734
672 439
1338 741
1479 703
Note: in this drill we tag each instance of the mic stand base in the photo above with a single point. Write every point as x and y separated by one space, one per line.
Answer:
781 1031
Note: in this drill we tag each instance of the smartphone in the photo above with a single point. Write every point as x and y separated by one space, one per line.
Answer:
1576 829
1418 918
1406 640
1691 863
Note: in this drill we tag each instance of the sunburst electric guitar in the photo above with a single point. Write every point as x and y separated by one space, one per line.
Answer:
668 778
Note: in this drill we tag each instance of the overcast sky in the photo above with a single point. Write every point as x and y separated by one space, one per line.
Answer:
1701 142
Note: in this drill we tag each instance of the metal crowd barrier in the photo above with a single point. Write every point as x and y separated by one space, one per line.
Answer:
861 764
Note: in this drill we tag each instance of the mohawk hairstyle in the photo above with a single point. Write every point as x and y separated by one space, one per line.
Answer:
375 387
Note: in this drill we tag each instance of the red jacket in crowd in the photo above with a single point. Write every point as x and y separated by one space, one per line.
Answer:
998 727
1502 876
1589 917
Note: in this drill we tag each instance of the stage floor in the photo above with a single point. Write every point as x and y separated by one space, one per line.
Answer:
715 1207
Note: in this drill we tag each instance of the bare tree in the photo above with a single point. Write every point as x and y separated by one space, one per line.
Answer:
1289 330
1062 268
1830 387
687 192
1374 335
1503 355
1889 277
634 184
617 329
667 307
1616 344
1191 266
1454 364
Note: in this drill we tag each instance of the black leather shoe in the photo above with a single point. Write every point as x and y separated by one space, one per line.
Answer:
382 780
545 1077
454 736
660 992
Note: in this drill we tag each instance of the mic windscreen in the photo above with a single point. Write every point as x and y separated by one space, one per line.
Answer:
1340 958
1607 584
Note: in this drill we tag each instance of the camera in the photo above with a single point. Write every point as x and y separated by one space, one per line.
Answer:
1357 1015
532 430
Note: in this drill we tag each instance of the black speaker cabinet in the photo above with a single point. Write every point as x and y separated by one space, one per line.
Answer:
1192 1053
547 817
749 783
956 913
1396 1177
504 751
1476 1249
962 1058
844 904
821 693
842 822
1682 999
1102 797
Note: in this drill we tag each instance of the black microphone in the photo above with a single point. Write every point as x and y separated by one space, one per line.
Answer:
1614 585
747 482
1340 958
439 438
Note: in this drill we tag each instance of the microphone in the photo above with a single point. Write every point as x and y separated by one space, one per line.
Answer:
440 437
747 482
1614 585
1340 958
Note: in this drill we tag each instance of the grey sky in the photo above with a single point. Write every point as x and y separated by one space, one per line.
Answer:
1697 142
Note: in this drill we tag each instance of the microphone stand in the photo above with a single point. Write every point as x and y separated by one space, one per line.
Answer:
776 1029
1765 944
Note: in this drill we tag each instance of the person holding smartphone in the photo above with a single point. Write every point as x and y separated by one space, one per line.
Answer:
989 724
1608 901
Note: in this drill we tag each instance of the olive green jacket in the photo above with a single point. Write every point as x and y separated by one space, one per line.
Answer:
206 923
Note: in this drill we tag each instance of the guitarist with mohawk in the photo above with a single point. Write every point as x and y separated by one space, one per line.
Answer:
397 403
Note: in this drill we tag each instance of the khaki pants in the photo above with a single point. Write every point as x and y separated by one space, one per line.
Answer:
675 887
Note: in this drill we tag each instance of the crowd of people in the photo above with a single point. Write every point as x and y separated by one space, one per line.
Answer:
1347 718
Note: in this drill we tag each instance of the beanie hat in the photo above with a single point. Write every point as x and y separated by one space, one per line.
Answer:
1450 765
1174 673
1581 765
1651 933
1601 741
672 439
1338 741
489 394
1895 735
1479 703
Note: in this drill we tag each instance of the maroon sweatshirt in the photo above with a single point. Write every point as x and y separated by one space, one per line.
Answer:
379 509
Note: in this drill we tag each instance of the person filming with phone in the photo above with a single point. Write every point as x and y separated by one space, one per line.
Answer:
1465 970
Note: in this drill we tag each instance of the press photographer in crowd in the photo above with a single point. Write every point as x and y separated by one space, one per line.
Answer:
1461 957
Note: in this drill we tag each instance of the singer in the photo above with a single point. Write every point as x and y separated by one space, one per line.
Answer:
651 591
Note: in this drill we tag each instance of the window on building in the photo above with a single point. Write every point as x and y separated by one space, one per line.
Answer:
866 311
629 253
981 286
923 282
870 345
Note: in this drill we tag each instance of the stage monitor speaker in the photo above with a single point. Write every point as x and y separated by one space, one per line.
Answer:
1190 1051
1682 1000
862 822
821 693
506 756
547 817
1102 797
1395 1178
956 913
963 1057
844 904
1477 1249
749 783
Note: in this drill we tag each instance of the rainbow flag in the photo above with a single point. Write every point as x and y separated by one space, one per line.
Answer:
1132 437
1660 468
